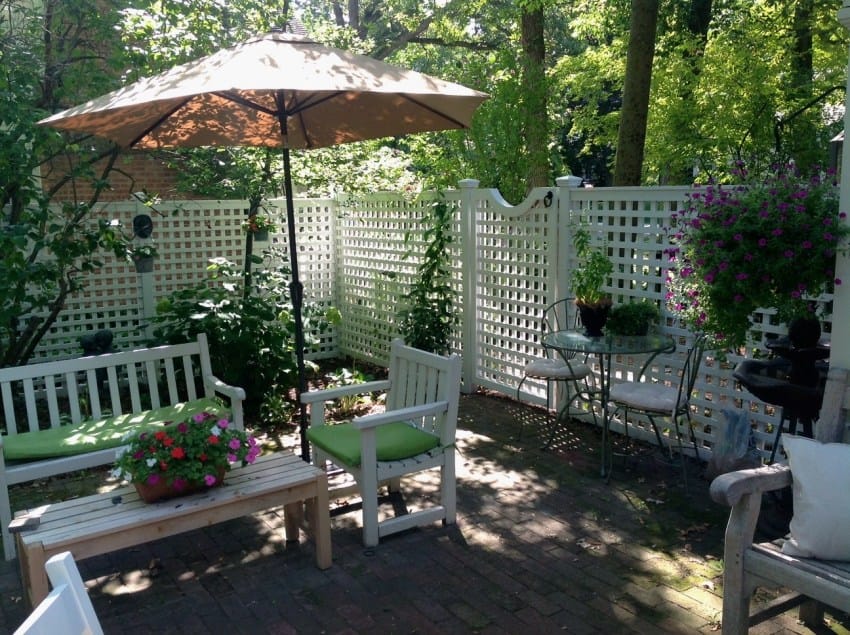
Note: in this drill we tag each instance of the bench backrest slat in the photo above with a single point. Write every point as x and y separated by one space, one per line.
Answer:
190 385
94 394
29 399
73 396
52 401
8 407
135 399
114 393
171 380
150 369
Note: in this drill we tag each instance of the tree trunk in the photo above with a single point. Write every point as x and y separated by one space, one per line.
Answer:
633 117
534 102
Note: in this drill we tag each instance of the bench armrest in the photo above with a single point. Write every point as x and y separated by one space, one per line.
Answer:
728 489
234 392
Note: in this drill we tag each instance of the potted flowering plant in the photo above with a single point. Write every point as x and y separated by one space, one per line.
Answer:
259 225
768 243
182 457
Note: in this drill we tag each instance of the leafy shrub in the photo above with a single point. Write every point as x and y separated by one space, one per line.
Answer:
251 335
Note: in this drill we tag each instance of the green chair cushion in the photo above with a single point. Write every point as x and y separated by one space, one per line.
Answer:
100 434
395 441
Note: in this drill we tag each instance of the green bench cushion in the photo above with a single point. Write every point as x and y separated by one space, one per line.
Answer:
100 434
395 441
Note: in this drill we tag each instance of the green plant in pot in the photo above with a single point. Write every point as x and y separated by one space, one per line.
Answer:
588 279
632 318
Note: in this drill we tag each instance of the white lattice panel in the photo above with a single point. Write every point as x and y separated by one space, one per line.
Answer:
352 255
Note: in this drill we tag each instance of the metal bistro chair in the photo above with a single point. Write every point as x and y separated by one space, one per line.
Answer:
657 399
558 367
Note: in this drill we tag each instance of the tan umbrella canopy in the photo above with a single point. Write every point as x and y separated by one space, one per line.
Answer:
277 90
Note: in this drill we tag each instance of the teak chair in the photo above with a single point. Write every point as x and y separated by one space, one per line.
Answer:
661 399
67 609
415 433
556 367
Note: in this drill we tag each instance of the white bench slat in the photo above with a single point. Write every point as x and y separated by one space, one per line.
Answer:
135 401
29 399
150 369
190 385
52 401
8 408
114 393
94 394
73 396
171 379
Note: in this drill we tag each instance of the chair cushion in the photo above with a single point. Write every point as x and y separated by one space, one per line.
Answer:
98 434
821 475
646 396
546 368
395 441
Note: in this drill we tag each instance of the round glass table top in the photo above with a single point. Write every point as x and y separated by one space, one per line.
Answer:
578 342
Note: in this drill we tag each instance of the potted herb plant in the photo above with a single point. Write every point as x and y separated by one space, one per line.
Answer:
768 243
182 457
588 279
632 318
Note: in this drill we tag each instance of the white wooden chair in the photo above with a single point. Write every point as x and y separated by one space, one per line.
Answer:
67 609
415 433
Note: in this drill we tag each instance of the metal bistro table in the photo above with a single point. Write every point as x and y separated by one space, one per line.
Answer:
606 348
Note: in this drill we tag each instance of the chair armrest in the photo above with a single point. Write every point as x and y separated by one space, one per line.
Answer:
329 394
402 414
728 489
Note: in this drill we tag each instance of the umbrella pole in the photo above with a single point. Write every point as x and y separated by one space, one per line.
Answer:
296 292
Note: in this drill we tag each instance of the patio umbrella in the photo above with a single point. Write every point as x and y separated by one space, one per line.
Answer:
277 90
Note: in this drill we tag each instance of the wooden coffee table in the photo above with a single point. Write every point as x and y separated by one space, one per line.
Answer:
103 523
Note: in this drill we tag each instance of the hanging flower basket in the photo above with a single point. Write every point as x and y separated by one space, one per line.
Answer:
144 264
259 226
768 243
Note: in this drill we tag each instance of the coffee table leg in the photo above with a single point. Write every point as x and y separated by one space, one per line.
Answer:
33 573
319 513
293 520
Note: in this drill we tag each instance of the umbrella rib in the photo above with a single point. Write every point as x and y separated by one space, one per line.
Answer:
443 115
156 124
234 97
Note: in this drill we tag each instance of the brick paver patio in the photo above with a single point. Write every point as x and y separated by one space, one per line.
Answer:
542 545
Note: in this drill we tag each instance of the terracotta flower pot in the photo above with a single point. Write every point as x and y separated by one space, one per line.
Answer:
163 490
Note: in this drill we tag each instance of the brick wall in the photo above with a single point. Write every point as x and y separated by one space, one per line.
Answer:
134 171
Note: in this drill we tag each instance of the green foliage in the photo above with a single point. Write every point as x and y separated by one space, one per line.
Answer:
426 322
251 335
768 243
350 404
593 272
632 318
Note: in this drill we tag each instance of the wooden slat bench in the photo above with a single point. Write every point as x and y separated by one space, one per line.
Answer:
103 523
68 415
748 565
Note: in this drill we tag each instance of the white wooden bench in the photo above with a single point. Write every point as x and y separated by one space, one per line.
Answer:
102 523
748 565
69 415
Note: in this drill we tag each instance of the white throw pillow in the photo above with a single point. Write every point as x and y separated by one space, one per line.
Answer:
820 527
